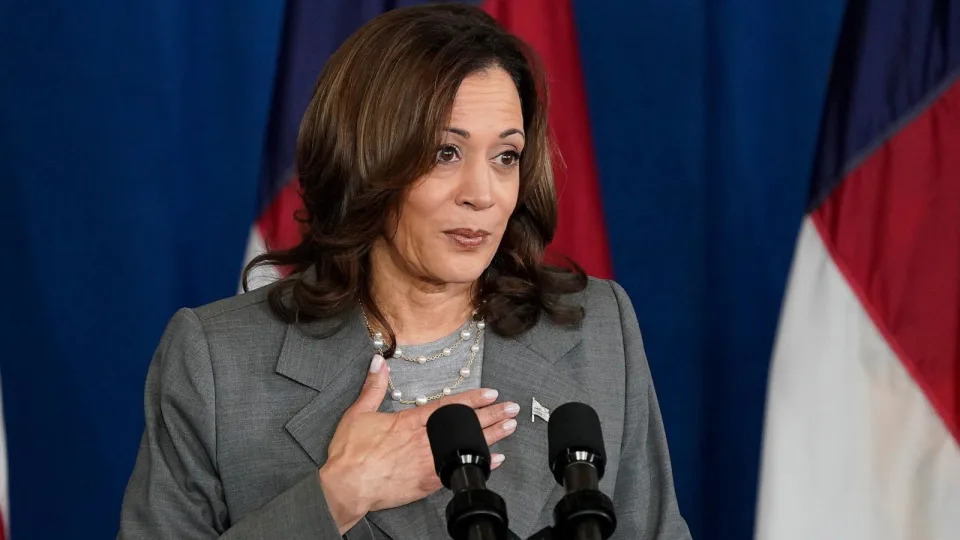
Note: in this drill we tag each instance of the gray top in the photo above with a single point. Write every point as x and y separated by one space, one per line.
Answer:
427 379
240 409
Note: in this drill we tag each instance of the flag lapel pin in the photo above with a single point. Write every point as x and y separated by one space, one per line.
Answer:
536 409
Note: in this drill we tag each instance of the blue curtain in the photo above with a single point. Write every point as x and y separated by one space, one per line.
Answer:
130 136
705 118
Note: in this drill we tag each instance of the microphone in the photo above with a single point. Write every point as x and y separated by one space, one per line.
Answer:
577 460
462 461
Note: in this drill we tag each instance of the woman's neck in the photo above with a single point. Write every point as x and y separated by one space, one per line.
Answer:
418 311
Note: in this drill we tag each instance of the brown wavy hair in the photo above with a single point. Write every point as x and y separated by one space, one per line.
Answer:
373 127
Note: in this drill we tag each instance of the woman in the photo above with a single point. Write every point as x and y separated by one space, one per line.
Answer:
424 164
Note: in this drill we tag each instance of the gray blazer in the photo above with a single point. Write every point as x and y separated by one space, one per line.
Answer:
240 408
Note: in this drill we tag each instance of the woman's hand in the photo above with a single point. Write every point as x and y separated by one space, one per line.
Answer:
383 460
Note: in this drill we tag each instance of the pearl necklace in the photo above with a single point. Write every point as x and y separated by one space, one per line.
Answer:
396 394
422 359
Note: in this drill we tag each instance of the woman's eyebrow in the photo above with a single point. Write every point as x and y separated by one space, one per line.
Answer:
461 132
466 134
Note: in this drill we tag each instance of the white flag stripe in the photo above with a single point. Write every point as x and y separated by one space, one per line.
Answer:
852 447
263 275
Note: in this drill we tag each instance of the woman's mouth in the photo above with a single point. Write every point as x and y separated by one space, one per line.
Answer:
467 238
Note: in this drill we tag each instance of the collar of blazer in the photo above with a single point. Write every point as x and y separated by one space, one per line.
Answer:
332 357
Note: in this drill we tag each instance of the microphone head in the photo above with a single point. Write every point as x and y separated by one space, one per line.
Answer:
456 439
574 427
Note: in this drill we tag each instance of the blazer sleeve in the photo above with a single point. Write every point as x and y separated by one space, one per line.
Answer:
175 491
644 497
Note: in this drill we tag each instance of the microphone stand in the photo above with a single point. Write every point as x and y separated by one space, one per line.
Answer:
583 513
474 513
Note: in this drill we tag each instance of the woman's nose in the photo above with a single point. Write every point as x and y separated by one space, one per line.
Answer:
476 188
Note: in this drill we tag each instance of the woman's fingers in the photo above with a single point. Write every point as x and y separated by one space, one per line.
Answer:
374 387
492 414
499 431
472 398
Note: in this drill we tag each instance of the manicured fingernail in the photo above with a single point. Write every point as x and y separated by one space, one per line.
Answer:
511 408
510 425
490 394
376 364
498 458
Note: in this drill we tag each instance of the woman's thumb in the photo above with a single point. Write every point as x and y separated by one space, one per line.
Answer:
375 387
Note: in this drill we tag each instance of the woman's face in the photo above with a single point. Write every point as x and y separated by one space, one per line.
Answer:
452 219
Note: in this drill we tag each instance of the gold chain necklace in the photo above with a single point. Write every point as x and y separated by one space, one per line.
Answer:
396 394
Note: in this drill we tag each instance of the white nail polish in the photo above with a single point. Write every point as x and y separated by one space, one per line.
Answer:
510 425
376 364
512 408
490 394
498 458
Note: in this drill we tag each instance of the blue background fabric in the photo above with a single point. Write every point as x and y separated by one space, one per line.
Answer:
705 118
131 137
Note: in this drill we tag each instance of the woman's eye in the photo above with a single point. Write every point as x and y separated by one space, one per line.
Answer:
448 154
509 158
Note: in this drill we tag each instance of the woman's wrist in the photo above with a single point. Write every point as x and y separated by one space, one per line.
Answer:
345 507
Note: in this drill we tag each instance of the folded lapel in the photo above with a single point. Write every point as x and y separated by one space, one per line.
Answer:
538 364
332 357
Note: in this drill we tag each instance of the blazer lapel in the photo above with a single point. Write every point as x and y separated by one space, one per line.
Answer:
538 364
332 357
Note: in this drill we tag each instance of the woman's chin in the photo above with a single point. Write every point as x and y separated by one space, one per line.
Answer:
458 276
460 271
